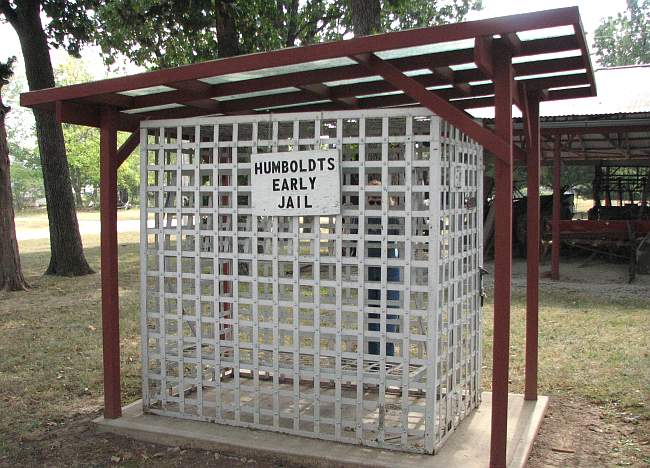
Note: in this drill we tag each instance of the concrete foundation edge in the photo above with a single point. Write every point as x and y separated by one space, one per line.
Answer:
468 447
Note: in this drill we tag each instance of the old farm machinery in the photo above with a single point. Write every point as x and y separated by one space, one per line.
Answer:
618 225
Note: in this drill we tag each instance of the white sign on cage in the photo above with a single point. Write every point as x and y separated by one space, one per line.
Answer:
296 183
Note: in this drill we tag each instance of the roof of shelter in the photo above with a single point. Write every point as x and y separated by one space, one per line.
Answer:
453 61
623 90
614 126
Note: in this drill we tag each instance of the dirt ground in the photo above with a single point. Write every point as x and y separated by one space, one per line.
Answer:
575 433
74 442
584 427
595 277
579 434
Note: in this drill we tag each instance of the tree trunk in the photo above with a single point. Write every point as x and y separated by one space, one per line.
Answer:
77 188
227 35
366 17
11 275
67 256
292 23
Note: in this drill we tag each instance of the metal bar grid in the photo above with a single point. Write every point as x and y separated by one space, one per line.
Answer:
362 327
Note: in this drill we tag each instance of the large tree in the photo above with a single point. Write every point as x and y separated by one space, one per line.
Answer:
366 16
624 39
69 27
26 171
11 275
164 33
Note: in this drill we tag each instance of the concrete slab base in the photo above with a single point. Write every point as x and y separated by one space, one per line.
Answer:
468 447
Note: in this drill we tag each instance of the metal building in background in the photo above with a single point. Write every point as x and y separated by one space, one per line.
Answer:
362 327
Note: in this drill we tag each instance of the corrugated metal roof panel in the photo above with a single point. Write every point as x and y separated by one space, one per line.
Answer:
621 90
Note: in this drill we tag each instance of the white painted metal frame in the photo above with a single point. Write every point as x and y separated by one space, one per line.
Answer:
363 327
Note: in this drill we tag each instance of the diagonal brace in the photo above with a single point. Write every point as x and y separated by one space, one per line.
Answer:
525 108
127 147
131 143
435 103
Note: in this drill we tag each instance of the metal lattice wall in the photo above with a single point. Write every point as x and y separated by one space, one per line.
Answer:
361 328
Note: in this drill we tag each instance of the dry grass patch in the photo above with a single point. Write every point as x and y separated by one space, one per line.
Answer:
50 342
37 219
592 347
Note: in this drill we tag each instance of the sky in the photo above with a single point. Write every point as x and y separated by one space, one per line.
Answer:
591 11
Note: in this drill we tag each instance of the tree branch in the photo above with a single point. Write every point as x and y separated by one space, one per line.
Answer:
10 13
313 24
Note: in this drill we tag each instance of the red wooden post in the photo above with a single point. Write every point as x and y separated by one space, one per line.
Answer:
532 255
110 295
557 197
503 78
608 194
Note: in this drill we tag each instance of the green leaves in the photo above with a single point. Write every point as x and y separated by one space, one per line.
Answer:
166 33
6 71
625 38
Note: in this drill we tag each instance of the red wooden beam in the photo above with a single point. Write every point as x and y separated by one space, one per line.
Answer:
200 97
191 86
550 44
483 55
88 115
345 95
447 76
584 49
569 93
320 91
538 84
503 167
555 65
441 76
298 55
512 42
209 105
522 90
557 197
435 103
127 147
603 227
299 79
109 268
113 100
78 114
533 147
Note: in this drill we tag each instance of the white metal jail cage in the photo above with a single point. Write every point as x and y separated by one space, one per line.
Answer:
363 327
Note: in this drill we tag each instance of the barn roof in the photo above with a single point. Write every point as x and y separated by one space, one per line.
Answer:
614 126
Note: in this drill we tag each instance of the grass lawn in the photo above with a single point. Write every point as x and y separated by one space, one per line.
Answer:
594 350
37 219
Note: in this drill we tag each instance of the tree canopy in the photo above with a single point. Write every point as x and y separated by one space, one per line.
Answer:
69 25
624 39
165 33
82 144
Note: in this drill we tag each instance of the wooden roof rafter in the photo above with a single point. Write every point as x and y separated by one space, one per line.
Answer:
452 63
